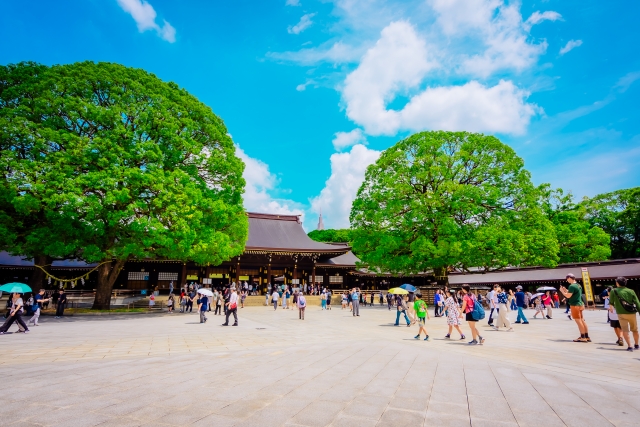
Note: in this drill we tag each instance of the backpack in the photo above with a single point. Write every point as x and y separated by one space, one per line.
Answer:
302 302
478 311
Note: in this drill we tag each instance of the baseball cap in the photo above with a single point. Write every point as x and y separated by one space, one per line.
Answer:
518 287
570 275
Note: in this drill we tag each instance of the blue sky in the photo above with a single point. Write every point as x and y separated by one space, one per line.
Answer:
312 91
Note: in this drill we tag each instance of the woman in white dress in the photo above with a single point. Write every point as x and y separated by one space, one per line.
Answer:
453 314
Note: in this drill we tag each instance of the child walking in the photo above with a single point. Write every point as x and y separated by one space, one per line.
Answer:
420 308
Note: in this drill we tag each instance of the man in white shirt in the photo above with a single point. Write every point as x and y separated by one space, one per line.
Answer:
232 307
493 303
274 299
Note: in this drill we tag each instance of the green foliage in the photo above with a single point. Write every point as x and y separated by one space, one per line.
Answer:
442 199
121 165
618 214
578 240
340 235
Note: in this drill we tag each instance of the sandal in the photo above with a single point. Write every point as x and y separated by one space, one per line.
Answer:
580 340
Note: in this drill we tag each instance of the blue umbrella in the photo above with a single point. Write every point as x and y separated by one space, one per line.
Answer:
20 288
408 287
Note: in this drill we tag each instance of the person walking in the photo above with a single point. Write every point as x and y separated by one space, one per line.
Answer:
539 306
614 322
274 299
389 301
39 299
401 307
411 297
521 304
323 299
170 302
547 302
285 298
574 299
381 297
302 305
328 299
62 301
420 308
436 303
453 314
219 302
202 302
190 298
626 304
231 307
355 301
503 316
512 301
493 303
469 301
15 315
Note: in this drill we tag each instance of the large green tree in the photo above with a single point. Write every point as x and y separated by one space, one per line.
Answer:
618 214
438 200
342 235
139 167
578 239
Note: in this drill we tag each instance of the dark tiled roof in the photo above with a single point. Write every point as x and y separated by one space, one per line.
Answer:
18 261
345 260
273 233
604 270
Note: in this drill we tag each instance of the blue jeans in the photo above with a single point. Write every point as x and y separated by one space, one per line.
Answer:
521 316
405 317
324 304
513 305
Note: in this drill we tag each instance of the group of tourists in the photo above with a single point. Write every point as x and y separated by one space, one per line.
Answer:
287 297
16 308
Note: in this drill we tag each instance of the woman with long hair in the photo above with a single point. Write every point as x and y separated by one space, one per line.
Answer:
453 314
468 302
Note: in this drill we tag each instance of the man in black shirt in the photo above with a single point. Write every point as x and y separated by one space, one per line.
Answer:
62 300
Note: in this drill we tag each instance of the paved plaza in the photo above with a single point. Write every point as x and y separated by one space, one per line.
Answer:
330 369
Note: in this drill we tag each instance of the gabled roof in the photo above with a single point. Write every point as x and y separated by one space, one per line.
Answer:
284 233
345 260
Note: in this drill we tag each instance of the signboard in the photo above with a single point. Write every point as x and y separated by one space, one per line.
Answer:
295 281
192 277
586 281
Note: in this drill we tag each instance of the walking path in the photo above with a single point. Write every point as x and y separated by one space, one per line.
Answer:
330 369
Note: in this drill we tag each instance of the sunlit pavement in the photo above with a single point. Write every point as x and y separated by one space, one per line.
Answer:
330 369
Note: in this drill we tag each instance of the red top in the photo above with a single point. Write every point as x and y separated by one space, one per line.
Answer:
470 302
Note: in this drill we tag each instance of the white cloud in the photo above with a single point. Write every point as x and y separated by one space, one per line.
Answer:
259 183
304 23
334 53
303 86
399 62
537 17
347 174
627 80
571 44
343 140
145 16
292 3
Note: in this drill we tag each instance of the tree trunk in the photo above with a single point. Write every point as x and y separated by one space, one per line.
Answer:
36 282
107 275
442 276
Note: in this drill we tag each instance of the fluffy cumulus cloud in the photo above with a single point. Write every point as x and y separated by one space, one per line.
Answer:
260 182
304 23
343 140
538 17
145 16
347 174
398 63
571 44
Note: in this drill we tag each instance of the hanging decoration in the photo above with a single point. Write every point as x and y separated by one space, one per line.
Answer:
65 281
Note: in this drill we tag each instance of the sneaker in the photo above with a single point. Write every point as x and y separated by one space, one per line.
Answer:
581 339
481 340
447 336
636 347
426 338
517 322
235 324
588 339
463 337
620 342
548 317
26 332
629 348
569 317
474 342
225 324
525 323
2 333
510 330
417 337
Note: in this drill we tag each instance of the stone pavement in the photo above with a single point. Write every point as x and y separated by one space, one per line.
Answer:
331 369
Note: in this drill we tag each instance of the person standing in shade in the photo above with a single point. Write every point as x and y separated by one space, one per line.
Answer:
626 304
453 314
274 299
381 297
574 299
328 299
285 298
521 304
39 299
503 317
420 308
468 304
203 303
401 307
219 302
231 307
170 302
302 304
323 299
436 303
355 299
62 301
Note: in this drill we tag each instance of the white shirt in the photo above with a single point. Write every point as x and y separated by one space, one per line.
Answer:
275 296
490 298
233 298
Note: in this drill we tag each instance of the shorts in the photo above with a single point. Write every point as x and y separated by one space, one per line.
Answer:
614 323
422 320
576 311
628 322
469 317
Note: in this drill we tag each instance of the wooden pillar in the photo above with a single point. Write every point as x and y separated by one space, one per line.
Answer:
207 272
238 272
269 271
183 277
313 273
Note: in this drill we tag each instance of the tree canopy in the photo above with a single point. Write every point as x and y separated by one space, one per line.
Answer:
122 166
437 200
342 235
618 214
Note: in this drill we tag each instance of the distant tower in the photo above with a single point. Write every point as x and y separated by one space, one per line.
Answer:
320 223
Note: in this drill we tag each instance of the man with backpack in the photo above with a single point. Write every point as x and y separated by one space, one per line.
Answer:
626 304
302 304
